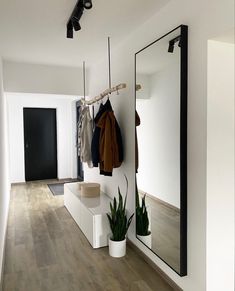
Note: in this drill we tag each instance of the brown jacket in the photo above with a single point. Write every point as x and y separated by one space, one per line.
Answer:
108 144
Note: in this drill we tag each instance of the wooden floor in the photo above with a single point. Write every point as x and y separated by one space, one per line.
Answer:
165 229
45 250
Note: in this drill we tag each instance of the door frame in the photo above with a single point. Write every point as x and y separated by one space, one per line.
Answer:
80 169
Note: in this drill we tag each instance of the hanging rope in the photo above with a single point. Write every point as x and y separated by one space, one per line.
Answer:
107 91
109 62
84 80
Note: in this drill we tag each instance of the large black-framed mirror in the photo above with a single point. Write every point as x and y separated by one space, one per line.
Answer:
161 147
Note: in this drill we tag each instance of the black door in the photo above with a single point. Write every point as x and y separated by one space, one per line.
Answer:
40 144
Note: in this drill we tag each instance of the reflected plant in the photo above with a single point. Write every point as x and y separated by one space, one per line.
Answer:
142 220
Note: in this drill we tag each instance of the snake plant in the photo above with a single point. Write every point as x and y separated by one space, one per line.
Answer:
117 217
142 220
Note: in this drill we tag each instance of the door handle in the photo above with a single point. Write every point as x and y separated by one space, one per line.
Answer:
27 145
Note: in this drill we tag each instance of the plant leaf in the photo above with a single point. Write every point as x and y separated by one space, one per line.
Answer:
118 221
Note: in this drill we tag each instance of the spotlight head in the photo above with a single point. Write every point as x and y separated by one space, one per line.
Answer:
171 46
87 4
69 29
76 24
69 33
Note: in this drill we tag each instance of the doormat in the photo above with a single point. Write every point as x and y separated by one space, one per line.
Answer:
56 189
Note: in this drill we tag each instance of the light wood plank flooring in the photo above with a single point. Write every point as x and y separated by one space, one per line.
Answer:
165 229
45 250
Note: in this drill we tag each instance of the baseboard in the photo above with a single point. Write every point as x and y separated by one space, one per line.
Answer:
18 183
3 262
65 179
57 179
46 181
69 180
142 193
4 251
154 266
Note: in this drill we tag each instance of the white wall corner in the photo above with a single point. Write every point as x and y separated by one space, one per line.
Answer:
4 173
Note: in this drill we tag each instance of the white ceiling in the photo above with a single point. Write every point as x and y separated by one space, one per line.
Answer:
35 31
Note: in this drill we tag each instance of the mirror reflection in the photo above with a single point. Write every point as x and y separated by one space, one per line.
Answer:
158 147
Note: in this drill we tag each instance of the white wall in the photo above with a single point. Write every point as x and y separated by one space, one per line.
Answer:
66 139
220 167
144 81
35 78
159 135
4 172
205 20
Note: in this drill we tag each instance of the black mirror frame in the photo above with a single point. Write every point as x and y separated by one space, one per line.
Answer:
183 144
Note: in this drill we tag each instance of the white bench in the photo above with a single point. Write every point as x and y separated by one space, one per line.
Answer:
89 214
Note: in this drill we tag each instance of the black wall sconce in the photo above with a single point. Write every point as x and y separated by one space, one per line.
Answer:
73 22
172 44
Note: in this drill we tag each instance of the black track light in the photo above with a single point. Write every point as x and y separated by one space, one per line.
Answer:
76 24
74 20
172 43
87 4
78 11
69 29
171 47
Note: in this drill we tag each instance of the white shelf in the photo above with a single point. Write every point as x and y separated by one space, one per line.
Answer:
96 205
89 214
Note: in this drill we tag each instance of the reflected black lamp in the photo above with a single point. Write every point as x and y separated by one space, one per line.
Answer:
172 44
